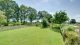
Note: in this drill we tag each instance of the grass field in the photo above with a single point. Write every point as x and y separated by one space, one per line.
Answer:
30 36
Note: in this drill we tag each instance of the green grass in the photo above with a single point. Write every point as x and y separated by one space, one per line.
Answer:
30 36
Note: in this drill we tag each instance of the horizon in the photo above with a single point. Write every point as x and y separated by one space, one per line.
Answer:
71 6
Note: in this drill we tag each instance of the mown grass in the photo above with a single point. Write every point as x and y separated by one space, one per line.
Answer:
30 36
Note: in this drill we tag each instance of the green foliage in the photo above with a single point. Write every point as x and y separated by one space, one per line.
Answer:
44 14
2 18
68 28
56 26
14 23
60 17
45 23
10 8
71 29
38 23
69 35
71 38
32 13
17 23
72 21
23 13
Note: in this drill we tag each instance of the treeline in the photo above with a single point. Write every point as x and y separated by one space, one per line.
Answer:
21 14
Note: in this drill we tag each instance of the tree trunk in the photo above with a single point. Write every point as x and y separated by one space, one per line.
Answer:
24 19
21 21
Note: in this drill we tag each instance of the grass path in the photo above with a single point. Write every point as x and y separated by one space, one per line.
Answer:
30 36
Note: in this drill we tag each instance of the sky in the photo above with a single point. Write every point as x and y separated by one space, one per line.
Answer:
72 7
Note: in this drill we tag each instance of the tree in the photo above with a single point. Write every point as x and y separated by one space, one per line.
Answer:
32 13
15 11
2 18
72 21
44 14
9 7
23 13
60 17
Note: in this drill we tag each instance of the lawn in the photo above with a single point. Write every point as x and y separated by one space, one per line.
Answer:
30 36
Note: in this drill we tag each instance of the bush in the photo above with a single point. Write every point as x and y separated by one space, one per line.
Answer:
37 23
17 23
4 23
44 23
55 26
71 29
72 38
69 35
68 28
14 23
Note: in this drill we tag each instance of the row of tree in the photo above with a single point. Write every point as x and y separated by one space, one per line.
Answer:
12 11
22 13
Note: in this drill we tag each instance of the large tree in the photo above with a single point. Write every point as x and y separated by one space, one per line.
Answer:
60 17
10 8
32 13
44 14
23 13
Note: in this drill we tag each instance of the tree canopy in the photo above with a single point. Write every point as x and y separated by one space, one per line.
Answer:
32 13
22 13
44 14
9 7
60 17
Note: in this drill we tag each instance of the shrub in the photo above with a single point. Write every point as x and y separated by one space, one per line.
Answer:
44 23
14 23
69 28
56 26
37 23
17 23
69 35
72 38
4 23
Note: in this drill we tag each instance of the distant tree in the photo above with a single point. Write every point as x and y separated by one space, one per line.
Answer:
32 13
44 14
72 21
23 13
60 17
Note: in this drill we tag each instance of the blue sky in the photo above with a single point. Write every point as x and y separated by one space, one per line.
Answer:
72 7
